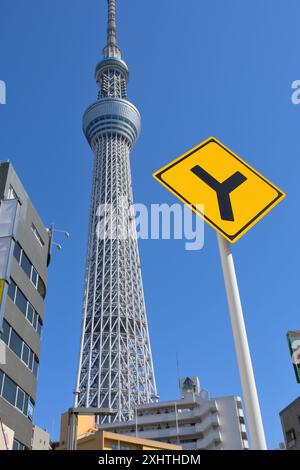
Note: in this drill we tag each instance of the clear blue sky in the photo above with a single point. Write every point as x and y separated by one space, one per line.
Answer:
198 68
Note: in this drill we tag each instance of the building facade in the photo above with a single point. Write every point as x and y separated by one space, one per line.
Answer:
91 438
40 439
115 364
196 421
23 312
290 423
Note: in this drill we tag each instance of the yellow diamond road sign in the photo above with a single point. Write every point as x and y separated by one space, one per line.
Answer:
234 195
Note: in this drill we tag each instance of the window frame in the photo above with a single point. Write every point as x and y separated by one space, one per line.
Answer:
26 398
9 380
32 357
31 273
20 391
22 296
12 283
37 235
14 334
37 323
26 264
25 346
1 381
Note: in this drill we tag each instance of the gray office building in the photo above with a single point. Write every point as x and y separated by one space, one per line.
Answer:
22 308
290 422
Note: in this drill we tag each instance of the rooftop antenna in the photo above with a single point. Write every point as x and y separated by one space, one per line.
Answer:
177 367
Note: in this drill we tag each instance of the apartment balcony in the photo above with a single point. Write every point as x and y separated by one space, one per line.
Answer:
208 442
182 414
188 430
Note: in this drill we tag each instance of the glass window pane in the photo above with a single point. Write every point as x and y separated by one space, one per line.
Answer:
17 252
39 328
9 390
30 360
26 264
15 445
12 193
35 366
6 330
11 290
41 287
34 277
20 399
21 301
36 233
30 313
15 343
25 354
35 320
25 409
1 380
30 410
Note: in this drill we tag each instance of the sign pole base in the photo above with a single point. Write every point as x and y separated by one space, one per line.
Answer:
256 430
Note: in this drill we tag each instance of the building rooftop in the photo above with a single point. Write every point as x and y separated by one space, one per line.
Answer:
293 403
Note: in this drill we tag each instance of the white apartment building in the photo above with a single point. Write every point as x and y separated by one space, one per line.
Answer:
40 439
196 421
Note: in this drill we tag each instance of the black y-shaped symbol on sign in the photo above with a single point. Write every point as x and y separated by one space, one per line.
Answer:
223 190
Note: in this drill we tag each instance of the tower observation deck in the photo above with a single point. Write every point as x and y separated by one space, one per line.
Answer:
115 363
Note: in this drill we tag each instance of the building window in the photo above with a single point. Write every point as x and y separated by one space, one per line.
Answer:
6 332
34 277
26 308
15 343
16 396
120 447
17 252
20 400
20 348
30 313
25 354
35 366
29 269
37 235
25 408
12 290
1 381
17 445
290 437
26 265
21 302
9 391
30 410
39 328
12 193
41 287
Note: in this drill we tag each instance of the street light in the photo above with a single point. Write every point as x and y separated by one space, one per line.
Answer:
52 243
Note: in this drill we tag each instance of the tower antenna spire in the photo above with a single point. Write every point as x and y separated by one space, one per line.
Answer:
112 49
112 25
115 363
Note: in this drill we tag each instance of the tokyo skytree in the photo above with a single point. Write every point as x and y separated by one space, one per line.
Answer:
115 364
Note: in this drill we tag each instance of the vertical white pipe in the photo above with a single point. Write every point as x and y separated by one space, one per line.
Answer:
257 435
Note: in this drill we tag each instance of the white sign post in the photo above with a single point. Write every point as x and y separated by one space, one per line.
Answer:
253 413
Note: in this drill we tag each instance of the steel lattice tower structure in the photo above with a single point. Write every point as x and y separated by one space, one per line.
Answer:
115 364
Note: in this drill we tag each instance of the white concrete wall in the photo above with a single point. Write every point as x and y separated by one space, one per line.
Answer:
229 422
